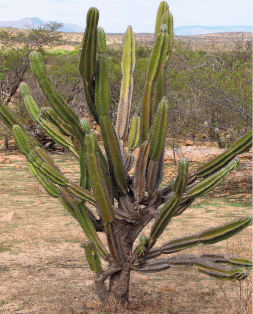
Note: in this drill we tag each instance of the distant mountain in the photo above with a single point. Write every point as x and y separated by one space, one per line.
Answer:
181 30
36 22
201 30
22 23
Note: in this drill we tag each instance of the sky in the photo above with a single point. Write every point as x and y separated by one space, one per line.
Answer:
116 16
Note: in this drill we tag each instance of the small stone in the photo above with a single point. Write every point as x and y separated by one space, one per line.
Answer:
232 201
10 217
189 142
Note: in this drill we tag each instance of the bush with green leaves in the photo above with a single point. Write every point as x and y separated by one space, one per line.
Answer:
110 200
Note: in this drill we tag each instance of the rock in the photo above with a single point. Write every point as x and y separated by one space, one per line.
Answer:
248 196
10 217
166 289
189 142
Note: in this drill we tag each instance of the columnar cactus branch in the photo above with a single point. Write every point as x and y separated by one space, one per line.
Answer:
66 113
111 143
156 65
244 144
87 65
127 67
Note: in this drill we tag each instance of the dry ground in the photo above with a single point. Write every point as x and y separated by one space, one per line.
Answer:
43 268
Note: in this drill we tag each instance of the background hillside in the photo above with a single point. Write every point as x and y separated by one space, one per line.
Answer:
71 40
181 30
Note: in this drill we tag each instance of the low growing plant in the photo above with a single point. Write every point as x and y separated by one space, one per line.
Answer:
125 203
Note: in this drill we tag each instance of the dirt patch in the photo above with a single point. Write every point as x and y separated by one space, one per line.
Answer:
43 268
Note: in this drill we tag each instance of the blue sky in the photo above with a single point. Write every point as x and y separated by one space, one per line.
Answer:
115 16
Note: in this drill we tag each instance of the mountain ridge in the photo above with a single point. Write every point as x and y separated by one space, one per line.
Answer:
181 30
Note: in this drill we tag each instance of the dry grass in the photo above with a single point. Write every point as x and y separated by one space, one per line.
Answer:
43 268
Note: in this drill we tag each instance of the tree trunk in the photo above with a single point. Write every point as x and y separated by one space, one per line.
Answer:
119 286
118 291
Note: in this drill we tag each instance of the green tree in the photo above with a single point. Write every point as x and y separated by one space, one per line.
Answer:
16 47
213 86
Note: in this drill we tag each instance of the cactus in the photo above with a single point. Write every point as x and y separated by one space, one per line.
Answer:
125 204
127 66
214 134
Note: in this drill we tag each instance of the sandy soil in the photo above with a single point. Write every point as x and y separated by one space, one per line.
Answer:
43 268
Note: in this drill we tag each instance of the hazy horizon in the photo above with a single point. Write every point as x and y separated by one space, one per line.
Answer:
115 16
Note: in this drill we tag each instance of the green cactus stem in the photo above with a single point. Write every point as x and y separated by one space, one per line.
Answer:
156 65
97 180
127 67
134 134
65 112
209 183
87 64
239 147
140 168
170 207
89 229
163 7
51 116
159 131
92 257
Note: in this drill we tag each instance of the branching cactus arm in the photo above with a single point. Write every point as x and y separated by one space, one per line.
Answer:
110 139
127 67
87 65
